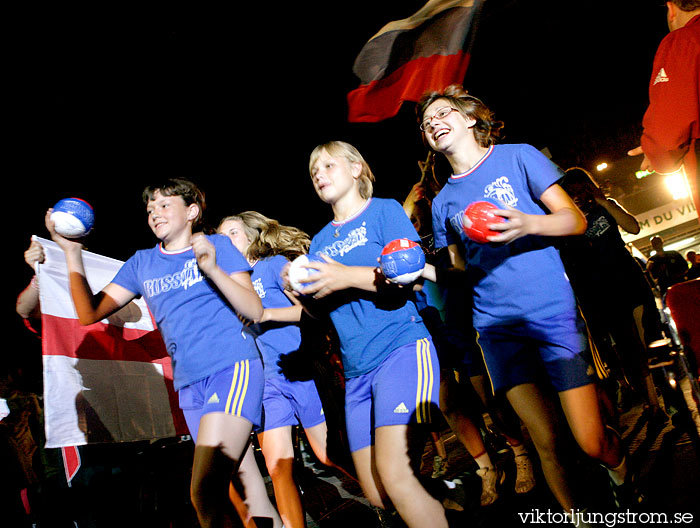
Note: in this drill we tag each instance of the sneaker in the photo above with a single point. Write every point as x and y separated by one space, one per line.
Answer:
491 478
524 476
439 467
626 496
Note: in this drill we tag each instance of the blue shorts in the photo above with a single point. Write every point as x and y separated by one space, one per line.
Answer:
290 403
402 389
236 390
554 350
472 363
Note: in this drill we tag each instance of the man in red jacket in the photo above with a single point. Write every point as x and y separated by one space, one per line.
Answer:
671 135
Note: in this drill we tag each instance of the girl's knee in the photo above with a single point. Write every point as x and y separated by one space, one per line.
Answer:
593 447
212 471
194 496
546 442
395 477
280 468
371 490
202 495
323 459
596 446
376 500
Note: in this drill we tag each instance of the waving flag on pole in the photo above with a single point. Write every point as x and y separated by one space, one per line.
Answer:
107 382
426 51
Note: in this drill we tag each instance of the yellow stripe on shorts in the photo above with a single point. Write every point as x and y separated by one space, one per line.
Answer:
426 379
239 387
483 358
601 368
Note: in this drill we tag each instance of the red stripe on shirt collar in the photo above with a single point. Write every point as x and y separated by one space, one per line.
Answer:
358 213
478 164
175 251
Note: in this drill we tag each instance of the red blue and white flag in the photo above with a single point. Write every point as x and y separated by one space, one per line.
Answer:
426 51
107 382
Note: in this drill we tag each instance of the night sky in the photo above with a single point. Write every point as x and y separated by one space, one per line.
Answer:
104 99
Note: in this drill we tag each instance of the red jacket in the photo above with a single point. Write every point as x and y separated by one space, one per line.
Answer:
672 121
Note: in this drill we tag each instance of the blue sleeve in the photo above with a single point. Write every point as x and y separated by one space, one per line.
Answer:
127 277
277 265
396 224
541 173
228 257
442 237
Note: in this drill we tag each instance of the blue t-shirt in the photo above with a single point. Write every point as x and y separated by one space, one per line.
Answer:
274 338
520 281
201 331
369 325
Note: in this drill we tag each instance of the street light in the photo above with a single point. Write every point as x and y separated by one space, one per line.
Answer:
680 244
677 185
676 245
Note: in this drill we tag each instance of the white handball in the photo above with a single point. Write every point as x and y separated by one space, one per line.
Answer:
72 217
298 272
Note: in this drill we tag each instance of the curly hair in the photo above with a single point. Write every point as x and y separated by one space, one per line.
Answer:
487 130
268 237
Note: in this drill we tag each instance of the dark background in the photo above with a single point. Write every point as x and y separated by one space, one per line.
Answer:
102 99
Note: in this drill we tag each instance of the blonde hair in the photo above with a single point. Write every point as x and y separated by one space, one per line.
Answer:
268 237
341 149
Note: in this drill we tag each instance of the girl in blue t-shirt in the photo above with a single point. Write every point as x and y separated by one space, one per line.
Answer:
523 307
269 246
390 365
194 286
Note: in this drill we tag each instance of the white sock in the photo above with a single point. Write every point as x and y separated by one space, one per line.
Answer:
484 460
619 473
519 449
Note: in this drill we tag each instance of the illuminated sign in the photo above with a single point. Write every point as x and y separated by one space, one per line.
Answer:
667 216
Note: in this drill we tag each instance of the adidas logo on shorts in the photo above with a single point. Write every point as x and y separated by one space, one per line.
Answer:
401 409
214 398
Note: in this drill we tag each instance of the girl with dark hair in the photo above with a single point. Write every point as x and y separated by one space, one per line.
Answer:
195 285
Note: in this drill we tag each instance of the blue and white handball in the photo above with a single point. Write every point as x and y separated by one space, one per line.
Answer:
298 272
73 217
402 261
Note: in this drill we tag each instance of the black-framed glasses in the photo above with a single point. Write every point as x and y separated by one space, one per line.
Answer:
441 113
